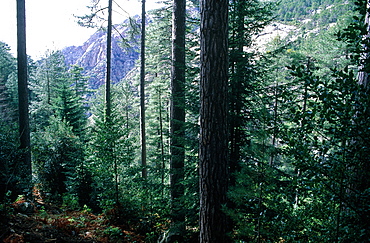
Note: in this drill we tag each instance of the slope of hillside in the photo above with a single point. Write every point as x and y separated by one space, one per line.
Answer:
293 18
303 19
322 12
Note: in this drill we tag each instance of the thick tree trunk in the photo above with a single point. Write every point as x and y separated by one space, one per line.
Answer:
213 165
24 129
178 113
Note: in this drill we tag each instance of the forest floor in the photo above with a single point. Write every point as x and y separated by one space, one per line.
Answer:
37 222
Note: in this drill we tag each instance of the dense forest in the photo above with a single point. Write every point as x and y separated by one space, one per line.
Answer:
214 134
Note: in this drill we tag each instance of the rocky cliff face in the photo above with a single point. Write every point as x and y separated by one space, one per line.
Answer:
92 56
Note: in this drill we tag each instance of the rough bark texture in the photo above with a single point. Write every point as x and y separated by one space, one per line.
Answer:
24 128
213 165
142 92
178 113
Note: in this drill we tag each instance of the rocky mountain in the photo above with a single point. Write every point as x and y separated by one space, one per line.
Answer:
311 16
92 55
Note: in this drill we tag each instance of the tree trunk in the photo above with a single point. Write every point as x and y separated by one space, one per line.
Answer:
142 93
109 58
24 129
237 84
213 165
177 120
163 165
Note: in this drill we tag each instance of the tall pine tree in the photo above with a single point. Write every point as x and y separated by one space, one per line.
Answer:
213 161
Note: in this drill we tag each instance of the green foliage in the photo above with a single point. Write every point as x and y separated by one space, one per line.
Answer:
355 35
70 109
57 153
10 179
298 119
247 18
71 201
7 93
300 173
330 132
320 12
56 91
8 161
111 155
58 113
157 112
114 233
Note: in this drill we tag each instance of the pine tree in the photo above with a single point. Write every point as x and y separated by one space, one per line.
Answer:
247 19
157 66
243 71
60 115
108 101
24 127
51 75
213 167
57 154
177 115
142 92
111 155
69 108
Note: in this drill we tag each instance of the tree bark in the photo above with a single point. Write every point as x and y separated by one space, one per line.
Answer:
142 93
177 120
24 128
109 59
213 164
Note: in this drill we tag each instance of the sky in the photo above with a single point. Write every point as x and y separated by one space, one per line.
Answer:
51 25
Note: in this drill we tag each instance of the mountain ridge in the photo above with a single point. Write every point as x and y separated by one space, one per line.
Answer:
91 55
